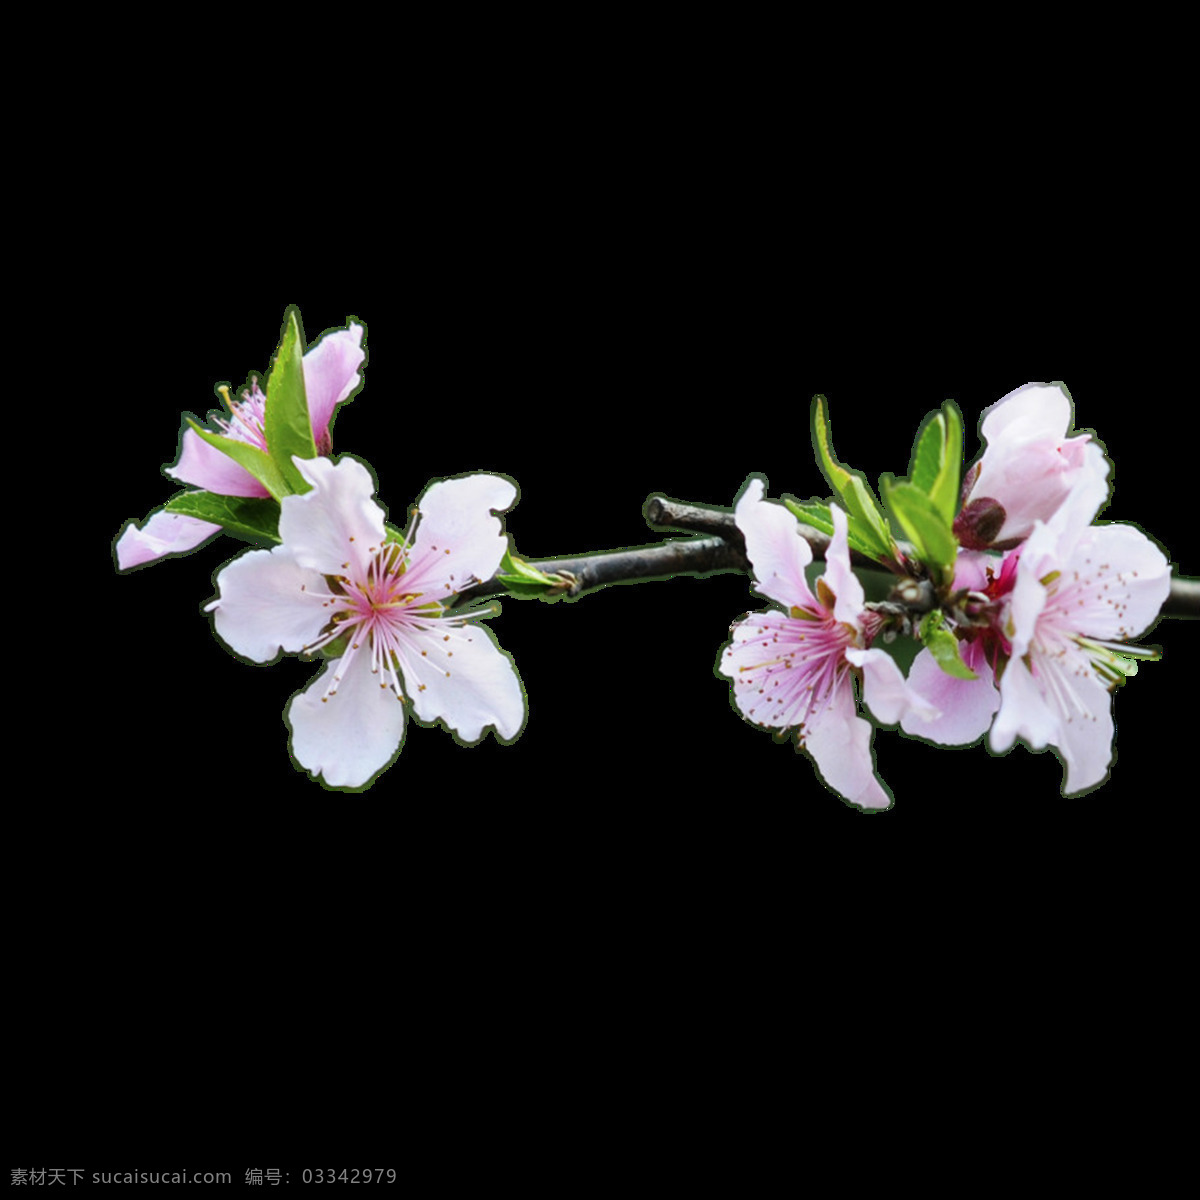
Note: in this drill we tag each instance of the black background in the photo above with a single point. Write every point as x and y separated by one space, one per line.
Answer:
640 857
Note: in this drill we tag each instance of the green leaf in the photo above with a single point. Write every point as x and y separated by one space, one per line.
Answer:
256 461
866 520
812 513
519 569
944 646
524 582
830 467
944 490
287 425
242 515
817 515
924 526
928 455
937 460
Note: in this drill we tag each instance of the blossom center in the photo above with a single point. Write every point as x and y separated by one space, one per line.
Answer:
247 415
379 611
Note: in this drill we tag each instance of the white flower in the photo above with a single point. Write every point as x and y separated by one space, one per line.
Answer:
337 580
1080 590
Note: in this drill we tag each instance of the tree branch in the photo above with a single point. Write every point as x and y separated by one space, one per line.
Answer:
723 550
1183 600
695 556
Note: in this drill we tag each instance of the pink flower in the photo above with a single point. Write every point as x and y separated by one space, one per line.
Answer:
1029 467
335 581
330 375
796 668
1079 587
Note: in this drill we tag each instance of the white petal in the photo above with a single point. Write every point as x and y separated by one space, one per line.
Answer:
886 692
1086 739
1024 711
967 705
163 533
1029 596
775 548
334 528
351 735
467 681
269 602
1078 510
840 743
456 516
1035 410
1126 602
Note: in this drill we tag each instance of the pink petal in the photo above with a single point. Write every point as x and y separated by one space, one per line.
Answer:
1030 466
742 660
775 548
204 466
840 744
331 374
350 736
967 705
163 533
886 692
839 578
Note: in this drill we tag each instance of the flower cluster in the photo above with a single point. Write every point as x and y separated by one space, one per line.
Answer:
1023 603
1027 605
379 605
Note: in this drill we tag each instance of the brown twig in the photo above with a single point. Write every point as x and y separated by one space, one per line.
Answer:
724 549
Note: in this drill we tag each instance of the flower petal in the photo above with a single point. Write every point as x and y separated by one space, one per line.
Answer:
204 466
749 660
337 526
1129 579
1033 410
967 705
775 548
839 578
840 744
465 680
971 569
456 534
1030 466
1023 711
1086 738
162 533
348 735
268 603
331 374
886 692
